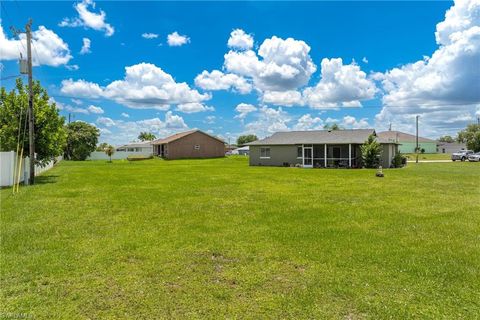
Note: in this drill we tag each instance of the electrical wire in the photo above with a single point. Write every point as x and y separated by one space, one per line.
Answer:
10 77
468 104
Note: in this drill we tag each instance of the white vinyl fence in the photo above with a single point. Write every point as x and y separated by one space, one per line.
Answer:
118 155
7 168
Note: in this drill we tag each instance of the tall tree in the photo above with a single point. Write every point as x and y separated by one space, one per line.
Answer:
446 139
371 152
246 139
102 146
50 135
332 126
146 136
471 137
82 140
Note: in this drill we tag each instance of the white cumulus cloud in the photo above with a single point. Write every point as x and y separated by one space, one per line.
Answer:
95 109
268 121
286 98
194 107
240 40
280 64
108 122
121 131
149 35
86 46
176 40
48 48
307 122
144 86
81 88
244 109
217 80
89 19
340 85
443 89
351 122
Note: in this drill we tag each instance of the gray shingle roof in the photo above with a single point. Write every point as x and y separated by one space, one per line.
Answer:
402 137
356 136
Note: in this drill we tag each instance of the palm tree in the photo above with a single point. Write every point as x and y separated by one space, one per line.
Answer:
146 136
109 151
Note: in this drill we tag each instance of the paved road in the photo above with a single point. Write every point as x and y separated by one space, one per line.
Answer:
429 161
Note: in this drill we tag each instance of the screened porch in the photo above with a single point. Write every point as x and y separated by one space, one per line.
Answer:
329 155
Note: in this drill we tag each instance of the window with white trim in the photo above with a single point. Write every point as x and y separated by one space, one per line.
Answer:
299 152
197 147
265 153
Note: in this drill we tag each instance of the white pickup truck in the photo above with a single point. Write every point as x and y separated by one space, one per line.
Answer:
461 155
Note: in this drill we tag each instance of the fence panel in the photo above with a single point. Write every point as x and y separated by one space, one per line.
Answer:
8 163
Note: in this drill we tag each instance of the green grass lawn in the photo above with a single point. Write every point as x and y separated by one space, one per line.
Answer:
217 238
429 156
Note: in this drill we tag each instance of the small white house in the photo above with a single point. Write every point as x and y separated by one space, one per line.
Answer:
243 151
145 147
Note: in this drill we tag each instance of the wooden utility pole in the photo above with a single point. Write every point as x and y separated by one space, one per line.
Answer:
31 120
416 141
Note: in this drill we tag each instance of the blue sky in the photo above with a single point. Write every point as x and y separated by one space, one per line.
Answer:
279 65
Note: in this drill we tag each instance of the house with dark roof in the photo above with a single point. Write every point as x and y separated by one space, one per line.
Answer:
189 144
407 142
317 149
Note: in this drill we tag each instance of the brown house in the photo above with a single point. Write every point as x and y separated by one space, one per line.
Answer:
189 144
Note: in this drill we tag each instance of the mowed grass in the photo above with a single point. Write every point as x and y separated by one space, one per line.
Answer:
219 239
429 156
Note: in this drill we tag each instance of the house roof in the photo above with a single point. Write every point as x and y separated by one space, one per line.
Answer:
136 144
356 136
181 135
401 137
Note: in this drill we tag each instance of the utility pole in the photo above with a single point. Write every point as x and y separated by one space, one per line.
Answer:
416 141
31 140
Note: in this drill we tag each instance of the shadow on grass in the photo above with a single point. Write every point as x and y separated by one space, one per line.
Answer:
45 179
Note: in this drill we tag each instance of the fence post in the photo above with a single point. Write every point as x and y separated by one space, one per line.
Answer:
13 159
26 171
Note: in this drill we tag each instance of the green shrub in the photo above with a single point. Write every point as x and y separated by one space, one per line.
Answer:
371 152
398 160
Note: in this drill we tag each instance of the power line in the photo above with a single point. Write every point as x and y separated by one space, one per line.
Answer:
10 77
324 109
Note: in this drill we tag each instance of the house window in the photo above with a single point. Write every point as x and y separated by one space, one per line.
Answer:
265 153
299 152
197 147
130 149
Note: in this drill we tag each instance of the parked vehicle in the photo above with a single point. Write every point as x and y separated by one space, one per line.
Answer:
461 155
474 157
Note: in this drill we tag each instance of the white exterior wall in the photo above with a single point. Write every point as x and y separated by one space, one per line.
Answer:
118 155
7 167
8 164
